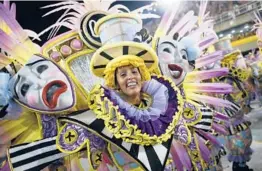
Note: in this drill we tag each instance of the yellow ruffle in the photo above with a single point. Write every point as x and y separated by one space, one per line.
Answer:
125 61
122 128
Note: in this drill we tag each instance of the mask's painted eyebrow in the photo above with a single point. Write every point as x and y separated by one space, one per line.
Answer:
18 78
169 44
30 64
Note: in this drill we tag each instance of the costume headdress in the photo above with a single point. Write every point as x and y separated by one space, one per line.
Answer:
233 60
188 26
117 33
73 50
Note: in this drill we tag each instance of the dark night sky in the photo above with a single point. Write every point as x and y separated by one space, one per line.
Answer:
29 14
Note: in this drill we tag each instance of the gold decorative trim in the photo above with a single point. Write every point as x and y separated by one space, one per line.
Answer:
116 123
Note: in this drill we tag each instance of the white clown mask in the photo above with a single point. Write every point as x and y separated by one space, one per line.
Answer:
43 86
173 59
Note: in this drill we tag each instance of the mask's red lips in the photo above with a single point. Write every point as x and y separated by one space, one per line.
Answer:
52 91
175 68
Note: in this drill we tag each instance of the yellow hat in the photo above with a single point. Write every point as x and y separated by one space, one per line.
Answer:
117 32
231 61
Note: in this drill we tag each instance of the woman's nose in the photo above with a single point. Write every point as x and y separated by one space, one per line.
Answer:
130 76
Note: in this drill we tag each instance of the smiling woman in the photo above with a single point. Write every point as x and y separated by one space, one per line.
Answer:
128 79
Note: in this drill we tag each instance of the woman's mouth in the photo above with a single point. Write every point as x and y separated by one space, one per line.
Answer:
175 70
131 84
52 91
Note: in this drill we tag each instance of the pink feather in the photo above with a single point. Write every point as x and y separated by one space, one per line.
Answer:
197 76
205 153
180 156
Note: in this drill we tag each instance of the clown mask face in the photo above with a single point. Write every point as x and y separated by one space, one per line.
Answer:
41 85
173 59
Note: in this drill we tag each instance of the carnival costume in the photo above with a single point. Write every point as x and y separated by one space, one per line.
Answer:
256 65
181 51
240 138
74 122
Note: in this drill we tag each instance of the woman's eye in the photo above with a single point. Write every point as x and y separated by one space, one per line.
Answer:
24 89
134 72
41 68
123 75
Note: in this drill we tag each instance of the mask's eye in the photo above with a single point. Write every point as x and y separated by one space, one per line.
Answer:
184 54
24 89
167 50
41 68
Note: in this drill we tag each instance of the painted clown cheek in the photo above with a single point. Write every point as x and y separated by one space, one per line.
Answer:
165 57
32 100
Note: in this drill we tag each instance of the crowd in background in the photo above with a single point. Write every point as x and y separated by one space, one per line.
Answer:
238 36
218 7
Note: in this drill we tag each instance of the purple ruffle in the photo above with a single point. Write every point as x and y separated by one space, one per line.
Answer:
241 158
159 125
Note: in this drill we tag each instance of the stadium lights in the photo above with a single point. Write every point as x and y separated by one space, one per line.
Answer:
233 31
241 31
221 35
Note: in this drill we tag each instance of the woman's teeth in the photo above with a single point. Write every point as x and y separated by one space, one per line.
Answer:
131 84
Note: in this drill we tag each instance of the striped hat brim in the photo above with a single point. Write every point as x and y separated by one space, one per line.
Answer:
107 53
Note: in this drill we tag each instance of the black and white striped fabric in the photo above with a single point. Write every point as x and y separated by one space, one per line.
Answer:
238 128
152 158
235 108
206 121
34 156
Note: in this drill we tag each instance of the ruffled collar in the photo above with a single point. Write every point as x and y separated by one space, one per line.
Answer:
153 124
158 102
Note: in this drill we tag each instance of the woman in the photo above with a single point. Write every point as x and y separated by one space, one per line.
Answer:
239 140
141 109
132 120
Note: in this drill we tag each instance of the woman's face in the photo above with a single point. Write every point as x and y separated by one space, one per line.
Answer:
129 80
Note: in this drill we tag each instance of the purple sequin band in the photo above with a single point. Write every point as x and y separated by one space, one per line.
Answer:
49 125
159 125
82 136
181 133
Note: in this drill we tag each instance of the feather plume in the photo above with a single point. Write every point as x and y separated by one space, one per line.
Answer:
165 23
180 156
197 76
71 19
177 28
